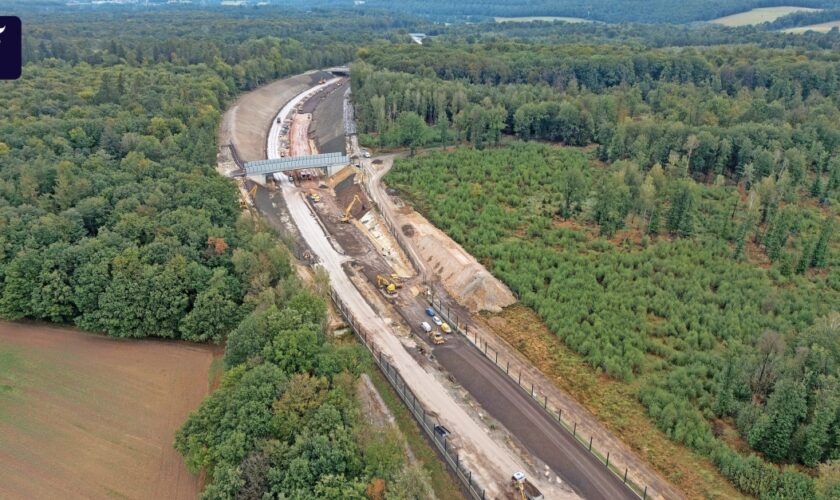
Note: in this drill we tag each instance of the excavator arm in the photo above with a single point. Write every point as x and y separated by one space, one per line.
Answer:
346 217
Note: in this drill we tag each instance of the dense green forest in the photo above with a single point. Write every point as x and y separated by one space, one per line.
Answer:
285 421
112 216
610 11
613 11
687 245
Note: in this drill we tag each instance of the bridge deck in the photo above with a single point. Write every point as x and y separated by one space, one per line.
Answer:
295 163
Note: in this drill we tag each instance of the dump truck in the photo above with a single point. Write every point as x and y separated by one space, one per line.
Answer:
524 489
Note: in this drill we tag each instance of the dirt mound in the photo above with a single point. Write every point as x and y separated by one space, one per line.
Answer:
462 276
408 230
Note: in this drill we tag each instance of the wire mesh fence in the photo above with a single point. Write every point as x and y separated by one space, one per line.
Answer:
540 397
427 420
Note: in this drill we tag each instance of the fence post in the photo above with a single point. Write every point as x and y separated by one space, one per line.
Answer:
574 430
608 460
497 357
559 414
532 389
520 379
545 402
645 495
590 443
625 475
507 368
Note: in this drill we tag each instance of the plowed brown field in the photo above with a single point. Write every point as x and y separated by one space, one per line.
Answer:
86 416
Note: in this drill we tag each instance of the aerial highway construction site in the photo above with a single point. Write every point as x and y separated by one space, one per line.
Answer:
413 296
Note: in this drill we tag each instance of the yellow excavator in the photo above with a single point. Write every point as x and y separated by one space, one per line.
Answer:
388 287
396 280
346 217
251 193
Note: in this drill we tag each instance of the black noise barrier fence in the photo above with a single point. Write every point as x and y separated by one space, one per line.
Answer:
553 410
428 421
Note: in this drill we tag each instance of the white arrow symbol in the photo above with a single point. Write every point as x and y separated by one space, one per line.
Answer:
2 30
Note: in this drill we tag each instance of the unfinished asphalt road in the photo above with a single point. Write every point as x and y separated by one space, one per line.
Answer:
520 414
491 461
606 441
500 397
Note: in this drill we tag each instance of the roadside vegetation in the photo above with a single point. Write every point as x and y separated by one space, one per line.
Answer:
111 215
687 247
112 218
285 420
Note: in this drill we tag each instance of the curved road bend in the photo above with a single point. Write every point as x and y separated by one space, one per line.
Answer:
497 393
492 463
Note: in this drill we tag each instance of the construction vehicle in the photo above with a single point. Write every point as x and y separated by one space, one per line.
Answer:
244 202
389 288
314 196
437 338
525 489
346 217
396 280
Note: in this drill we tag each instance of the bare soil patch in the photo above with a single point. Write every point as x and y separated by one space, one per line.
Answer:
247 122
87 416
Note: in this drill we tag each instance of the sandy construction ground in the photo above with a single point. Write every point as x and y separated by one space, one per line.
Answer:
86 416
460 273
247 122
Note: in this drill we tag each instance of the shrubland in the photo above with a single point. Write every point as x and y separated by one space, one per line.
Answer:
679 235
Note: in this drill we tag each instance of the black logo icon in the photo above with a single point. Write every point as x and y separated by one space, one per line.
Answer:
10 52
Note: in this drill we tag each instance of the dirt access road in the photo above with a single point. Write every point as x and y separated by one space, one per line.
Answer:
87 416
587 424
491 461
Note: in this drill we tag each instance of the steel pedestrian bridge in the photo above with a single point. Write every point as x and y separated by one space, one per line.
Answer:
266 167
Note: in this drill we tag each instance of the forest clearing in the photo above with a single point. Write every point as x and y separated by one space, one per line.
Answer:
760 15
820 28
84 415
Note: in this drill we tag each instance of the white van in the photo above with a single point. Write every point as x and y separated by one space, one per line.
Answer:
426 327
